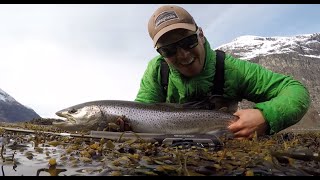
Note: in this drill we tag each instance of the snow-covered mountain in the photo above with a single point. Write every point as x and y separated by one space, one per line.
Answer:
6 97
248 47
297 56
12 111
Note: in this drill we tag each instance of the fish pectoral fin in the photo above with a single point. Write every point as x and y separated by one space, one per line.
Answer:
215 132
222 133
124 125
113 127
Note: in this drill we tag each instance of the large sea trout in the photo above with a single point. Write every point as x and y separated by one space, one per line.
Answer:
160 118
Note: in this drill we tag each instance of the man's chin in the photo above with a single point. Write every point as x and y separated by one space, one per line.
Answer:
191 71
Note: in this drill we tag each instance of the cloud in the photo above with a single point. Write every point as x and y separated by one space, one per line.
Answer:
57 55
238 20
45 76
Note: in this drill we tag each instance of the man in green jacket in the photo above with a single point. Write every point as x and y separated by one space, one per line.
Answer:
280 100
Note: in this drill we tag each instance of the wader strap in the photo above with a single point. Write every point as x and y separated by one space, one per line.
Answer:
164 75
219 75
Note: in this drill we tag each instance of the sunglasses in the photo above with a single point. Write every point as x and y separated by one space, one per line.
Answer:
186 43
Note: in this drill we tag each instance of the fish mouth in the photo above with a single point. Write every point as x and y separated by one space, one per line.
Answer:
67 119
65 122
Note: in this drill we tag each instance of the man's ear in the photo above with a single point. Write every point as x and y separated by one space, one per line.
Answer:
200 34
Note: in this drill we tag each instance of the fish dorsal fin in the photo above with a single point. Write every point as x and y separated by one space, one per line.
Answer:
169 105
223 109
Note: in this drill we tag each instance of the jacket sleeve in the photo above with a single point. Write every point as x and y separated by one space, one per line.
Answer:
150 86
282 100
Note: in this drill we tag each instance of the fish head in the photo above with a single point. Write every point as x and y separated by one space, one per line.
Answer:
79 117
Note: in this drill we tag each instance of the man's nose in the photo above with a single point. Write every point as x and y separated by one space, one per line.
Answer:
182 53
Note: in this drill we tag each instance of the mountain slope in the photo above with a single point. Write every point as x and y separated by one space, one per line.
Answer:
12 111
297 56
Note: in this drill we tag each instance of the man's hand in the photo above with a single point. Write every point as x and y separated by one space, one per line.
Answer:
250 120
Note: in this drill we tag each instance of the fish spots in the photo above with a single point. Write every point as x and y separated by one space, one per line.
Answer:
150 118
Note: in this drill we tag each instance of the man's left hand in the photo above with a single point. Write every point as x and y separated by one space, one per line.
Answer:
250 120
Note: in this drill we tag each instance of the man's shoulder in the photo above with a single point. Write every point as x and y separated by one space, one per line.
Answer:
155 62
153 66
235 61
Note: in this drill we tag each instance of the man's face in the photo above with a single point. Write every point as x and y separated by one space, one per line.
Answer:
184 50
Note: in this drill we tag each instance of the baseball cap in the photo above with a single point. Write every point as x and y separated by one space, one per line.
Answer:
167 18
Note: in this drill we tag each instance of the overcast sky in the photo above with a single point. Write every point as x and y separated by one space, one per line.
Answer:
55 56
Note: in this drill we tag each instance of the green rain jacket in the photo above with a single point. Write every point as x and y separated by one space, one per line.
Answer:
282 100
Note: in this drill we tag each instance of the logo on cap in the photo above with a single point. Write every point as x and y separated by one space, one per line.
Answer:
165 16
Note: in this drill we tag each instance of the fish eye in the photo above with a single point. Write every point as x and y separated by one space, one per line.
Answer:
72 111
